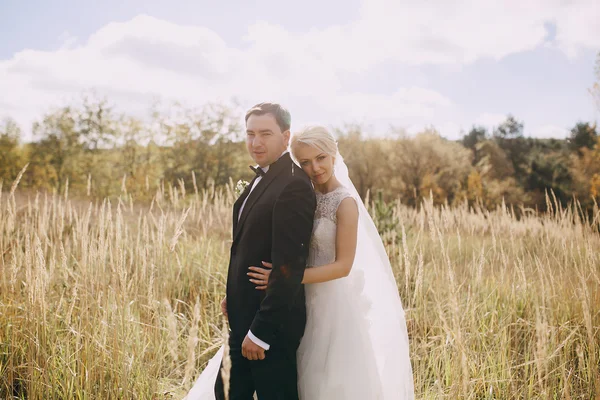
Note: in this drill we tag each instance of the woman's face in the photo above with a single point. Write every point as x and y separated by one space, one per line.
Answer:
317 164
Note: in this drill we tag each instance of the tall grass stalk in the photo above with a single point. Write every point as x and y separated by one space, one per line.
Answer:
120 299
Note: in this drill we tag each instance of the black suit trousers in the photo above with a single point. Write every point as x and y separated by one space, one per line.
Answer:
274 378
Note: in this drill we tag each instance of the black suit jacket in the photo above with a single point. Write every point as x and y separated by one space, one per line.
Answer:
275 226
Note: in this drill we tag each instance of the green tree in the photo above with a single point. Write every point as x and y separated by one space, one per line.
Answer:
205 141
475 135
11 161
511 128
549 172
59 147
582 135
96 124
509 136
97 128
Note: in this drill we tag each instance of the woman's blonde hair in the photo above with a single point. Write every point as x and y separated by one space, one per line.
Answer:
315 136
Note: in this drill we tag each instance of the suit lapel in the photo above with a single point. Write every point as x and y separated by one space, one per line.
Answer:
260 188
238 203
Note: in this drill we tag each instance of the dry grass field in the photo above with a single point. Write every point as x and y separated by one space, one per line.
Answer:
120 299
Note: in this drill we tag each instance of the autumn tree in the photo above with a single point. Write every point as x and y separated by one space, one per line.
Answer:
367 158
586 172
430 165
494 173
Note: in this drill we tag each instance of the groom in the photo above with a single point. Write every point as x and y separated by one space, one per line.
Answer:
272 221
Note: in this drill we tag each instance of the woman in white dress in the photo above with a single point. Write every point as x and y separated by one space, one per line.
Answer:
355 344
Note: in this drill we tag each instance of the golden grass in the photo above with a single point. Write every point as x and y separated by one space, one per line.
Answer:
110 300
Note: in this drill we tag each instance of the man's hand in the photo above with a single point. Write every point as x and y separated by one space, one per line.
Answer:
251 350
224 307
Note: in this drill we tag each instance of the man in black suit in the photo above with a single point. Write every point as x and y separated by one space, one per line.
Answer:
272 222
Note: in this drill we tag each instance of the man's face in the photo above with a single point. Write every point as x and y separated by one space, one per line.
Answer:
264 139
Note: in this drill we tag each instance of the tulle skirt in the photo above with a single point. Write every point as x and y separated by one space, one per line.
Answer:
335 358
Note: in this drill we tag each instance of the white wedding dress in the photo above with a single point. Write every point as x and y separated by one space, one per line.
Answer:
336 359
355 344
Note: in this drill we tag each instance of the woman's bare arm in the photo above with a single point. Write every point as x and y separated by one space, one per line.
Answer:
345 246
345 250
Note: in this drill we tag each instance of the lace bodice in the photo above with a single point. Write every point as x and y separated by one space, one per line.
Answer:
322 242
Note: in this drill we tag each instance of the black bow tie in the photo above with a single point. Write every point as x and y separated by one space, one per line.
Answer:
258 171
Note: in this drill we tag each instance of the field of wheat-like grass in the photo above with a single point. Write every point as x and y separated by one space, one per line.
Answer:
120 299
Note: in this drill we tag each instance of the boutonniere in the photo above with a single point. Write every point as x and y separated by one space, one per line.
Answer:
240 187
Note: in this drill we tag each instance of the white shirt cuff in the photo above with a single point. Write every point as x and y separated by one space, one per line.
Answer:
258 341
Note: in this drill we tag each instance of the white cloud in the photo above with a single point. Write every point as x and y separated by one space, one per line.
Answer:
135 61
456 32
451 130
577 26
404 103
490 120
448 129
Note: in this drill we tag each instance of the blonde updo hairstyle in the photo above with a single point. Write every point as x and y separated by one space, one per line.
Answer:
315 136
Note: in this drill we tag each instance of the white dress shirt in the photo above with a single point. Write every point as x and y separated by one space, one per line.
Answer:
256 340
258 179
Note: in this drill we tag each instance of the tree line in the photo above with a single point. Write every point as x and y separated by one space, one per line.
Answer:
101 153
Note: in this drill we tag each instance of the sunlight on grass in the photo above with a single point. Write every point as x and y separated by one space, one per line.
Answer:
120 299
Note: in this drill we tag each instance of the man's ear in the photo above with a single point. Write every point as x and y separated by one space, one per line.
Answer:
286 135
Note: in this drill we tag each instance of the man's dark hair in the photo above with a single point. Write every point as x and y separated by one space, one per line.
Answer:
281 114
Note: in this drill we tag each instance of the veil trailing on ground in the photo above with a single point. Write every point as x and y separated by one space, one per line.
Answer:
372 276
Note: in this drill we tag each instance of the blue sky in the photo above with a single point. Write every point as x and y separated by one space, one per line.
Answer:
378 62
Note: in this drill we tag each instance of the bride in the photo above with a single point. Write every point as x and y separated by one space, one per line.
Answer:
355 344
